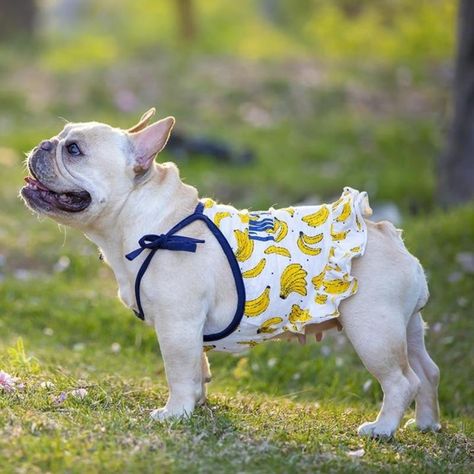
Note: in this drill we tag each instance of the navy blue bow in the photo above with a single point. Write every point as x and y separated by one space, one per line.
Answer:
168 241
164 241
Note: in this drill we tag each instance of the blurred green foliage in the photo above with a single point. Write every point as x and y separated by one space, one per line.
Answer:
376 30
325 93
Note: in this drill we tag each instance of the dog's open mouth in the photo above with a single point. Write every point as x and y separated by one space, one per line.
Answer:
67 201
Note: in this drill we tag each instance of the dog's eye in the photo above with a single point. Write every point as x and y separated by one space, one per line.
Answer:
73 149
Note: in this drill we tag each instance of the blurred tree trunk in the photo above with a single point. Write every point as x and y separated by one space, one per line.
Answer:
17 18
186 19
456 171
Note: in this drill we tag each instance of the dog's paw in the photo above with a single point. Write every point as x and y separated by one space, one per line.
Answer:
411 424
166 413
376 429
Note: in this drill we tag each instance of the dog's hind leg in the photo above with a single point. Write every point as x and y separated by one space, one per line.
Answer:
206 378
379 339
427 408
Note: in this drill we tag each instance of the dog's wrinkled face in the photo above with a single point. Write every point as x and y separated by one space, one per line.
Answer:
90 168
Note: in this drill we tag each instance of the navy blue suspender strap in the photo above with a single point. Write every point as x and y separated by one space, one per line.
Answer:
171 241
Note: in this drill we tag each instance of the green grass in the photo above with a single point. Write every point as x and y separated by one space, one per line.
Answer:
280 408
320 111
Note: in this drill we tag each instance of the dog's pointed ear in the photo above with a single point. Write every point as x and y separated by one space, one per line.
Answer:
150 141
143 122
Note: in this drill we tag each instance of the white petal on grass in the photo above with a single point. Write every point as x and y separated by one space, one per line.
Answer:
62 264
272 362
367 385
115 347
79 393
357 453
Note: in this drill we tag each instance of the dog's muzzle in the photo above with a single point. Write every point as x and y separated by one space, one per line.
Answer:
42 191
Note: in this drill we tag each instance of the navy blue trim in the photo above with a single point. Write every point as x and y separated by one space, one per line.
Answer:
263 239
258 228
239 282
170 241
256 221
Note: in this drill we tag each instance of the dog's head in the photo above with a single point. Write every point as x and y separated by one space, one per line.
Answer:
90 168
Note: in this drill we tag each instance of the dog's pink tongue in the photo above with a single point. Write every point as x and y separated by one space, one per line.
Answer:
35 183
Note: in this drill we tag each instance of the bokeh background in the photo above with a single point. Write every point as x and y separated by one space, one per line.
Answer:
321 93
277 102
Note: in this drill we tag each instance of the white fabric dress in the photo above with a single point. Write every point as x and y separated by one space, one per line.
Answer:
295 264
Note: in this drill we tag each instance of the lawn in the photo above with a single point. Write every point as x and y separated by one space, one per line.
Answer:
364 113
280 408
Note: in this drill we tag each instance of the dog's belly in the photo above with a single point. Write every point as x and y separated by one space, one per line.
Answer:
311 329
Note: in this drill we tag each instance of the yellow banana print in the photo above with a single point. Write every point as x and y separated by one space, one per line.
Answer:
321 299
219 216
280 229
332 266
293 279
336 203
256 270
258 305
317 281
346 212
305 248
359 225
278 250
298 315
336 287
356 249
248 343
209 203
290 210
311 239
339 235
317 218
244 245
244 217
331 252
266 327
355 287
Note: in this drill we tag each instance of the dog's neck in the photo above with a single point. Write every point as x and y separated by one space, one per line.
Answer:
158 202
154 206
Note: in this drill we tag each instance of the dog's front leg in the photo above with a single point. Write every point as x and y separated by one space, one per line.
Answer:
181 348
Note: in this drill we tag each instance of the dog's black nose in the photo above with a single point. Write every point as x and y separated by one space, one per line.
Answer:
46 145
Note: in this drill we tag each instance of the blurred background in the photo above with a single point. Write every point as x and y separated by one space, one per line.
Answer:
307 95
277 102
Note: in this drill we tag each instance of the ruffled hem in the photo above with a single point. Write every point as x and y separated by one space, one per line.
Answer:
349 236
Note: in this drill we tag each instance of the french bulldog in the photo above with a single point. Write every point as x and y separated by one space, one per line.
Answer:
105 182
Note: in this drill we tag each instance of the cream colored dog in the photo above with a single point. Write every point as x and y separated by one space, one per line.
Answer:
104 181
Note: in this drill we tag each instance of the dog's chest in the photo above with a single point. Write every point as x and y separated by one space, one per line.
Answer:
124 279
126 295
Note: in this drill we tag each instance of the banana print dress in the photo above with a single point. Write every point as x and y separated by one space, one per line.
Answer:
291 266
